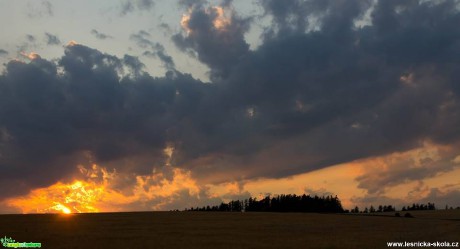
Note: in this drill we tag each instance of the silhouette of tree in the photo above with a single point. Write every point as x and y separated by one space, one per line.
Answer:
429 206
372 209
355 210
280 203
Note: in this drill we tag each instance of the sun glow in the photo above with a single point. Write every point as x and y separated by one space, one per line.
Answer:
62 208
99 190
76 197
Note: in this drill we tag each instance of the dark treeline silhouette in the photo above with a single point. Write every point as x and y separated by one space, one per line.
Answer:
280 203
451 207
372 209
429 206
390 208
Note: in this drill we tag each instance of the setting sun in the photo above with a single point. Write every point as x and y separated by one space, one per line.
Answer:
66 210
76 197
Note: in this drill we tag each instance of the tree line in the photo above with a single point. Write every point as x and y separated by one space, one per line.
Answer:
429 206
280 203
372 209
301 203
390 208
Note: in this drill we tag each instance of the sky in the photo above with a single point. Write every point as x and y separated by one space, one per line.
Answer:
157 105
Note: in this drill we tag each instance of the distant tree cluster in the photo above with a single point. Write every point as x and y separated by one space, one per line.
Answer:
429 206
232 206
280 203
451 208
372 209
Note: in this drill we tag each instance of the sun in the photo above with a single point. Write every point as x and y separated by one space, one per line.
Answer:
59 207
66 211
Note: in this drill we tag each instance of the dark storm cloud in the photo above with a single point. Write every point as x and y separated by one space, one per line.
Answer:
52 122
307 98
298 16
331 95
52 39
99 35
130 6
218 47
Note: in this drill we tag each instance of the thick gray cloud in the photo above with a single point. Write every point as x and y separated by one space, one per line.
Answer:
220 46
52 122
334 94
312 95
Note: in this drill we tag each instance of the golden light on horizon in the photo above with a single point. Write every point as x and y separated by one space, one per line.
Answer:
166 188
100 192
76 197
62 208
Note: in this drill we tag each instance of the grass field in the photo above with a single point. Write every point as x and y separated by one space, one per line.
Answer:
228 230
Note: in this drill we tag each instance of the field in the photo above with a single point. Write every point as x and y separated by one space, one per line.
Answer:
229 230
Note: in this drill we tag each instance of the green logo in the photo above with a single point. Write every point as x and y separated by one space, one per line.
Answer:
11 243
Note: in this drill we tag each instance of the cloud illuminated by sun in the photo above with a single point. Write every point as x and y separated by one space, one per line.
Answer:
97 192
75 197
221 18
184 22
31 55
71 43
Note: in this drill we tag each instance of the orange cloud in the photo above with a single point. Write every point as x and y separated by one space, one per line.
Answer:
75 197
71 43
97 193
31 55
221 18
98 189
221 21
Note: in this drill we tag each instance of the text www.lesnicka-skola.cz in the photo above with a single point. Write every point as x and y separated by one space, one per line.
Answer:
423 244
